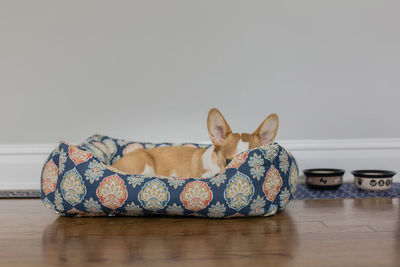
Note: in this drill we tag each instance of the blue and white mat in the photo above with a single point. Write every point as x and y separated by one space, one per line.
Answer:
345 191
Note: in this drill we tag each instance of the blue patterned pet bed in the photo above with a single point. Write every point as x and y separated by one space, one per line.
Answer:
79 181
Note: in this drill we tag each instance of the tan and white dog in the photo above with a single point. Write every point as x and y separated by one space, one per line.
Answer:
186 161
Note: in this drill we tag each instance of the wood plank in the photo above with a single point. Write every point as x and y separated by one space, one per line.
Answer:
309 233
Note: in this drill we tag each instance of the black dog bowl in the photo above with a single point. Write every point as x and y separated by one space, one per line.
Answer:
373 180
324 178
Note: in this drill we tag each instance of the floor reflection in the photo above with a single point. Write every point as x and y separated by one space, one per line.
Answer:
373 204
327 203
118 240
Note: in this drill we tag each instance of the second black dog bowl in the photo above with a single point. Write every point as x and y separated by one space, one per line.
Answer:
324 178
373 180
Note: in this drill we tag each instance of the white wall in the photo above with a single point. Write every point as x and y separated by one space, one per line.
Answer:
150 70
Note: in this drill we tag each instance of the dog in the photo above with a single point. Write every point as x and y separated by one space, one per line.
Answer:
187 161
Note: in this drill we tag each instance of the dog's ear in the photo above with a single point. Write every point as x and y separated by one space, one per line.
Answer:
218 128
268 129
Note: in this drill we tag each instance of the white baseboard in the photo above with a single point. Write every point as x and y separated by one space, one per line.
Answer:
21 165
347 154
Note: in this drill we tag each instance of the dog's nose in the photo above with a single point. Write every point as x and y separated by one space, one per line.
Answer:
228 161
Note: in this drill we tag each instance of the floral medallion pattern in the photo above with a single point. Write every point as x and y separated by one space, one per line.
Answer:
61 161
58 201
94 171
135 180
112 192
218 179
49 177
92 206
293 177
176 182
257 169
196 195
270 151
175 210
72 187
239 191
273 209
78 156
284 197
217 210
257 206
284 161
133 210
80 181
272 184
154 195
238 160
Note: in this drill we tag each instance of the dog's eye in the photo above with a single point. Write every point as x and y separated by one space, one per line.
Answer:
228 161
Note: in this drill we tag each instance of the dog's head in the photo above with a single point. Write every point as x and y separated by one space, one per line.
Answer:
227 144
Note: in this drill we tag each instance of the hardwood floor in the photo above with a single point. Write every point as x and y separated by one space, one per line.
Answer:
361 232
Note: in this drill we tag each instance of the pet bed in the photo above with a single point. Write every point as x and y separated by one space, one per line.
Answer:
80 181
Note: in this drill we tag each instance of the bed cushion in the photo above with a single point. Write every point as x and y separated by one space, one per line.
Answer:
80 181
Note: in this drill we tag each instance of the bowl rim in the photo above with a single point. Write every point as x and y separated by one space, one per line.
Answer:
373 173
315 172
